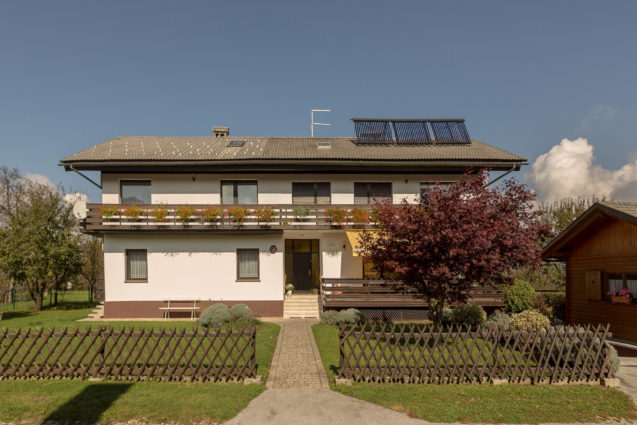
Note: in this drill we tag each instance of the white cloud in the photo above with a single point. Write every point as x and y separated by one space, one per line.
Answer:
567 170
72 198
603 113
40 179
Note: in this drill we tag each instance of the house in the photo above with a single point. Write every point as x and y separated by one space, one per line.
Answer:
600 251
234 219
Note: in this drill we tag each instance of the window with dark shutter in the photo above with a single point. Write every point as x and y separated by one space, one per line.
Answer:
311 193
367 193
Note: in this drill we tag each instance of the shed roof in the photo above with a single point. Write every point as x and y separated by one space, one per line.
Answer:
559 247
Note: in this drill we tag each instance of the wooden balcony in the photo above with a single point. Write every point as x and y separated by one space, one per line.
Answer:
103 218
364 293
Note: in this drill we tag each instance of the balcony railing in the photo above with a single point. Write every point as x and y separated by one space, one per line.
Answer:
162 217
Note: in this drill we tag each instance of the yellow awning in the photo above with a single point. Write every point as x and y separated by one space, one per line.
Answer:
352 237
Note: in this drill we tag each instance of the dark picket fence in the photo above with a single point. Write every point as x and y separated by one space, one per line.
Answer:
129 354
413 353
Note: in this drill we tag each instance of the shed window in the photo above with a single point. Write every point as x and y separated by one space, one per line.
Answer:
135 192
617 281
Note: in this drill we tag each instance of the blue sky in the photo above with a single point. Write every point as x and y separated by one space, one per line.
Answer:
525 75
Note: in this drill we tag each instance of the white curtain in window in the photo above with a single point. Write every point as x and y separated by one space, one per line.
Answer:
137 266
631 283
615 283
247 193
248 263
136 193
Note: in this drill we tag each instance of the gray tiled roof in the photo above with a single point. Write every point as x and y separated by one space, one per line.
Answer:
629 208
144 148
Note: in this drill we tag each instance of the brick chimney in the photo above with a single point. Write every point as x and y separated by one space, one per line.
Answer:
219 131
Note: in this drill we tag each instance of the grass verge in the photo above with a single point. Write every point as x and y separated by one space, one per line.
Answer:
482 403
68 401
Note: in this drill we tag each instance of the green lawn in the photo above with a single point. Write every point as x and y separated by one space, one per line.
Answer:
33 402
481 403
105 402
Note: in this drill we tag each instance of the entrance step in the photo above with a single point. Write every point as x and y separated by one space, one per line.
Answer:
301 306
98 312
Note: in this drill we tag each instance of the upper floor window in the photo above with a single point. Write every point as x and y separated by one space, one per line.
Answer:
366 193
311 193
239 192
432 185
135 192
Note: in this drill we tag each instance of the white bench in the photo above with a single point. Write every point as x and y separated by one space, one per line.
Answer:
177 308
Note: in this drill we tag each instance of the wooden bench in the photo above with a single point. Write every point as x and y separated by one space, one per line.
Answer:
194 308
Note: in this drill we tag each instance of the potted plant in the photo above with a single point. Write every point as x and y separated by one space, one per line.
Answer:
159 214
109 211
289 288
621 296
212 214
134 212
336 216
185 212
359 216
264 214
301 213
238 214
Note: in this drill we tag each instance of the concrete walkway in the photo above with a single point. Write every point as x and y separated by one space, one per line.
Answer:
296 362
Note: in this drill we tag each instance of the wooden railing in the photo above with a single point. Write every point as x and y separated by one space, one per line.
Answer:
412 353
129 354
359 293
162 217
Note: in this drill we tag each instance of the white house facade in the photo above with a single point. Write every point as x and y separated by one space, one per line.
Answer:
233 219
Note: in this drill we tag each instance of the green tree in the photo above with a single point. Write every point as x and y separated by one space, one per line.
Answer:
40 246
92 264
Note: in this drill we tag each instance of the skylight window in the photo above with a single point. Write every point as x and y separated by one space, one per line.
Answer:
236 143
324 144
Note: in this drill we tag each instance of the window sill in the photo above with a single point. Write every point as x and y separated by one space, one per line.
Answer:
248 280
609 302
136 281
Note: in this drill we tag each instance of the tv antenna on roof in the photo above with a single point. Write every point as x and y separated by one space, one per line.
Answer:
317 123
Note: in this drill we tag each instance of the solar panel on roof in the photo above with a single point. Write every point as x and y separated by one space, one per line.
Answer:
450 131
236 143
373 131
411 131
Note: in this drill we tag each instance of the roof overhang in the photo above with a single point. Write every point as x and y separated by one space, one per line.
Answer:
292 166
597 215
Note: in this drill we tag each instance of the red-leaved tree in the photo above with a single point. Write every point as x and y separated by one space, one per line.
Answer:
460 235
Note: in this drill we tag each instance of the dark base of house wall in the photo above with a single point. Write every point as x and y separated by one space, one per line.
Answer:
150 309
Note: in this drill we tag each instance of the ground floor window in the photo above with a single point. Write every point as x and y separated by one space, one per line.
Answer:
136 265
369 271
618 281
247 264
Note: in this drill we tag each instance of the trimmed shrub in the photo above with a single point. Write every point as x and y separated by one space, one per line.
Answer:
446 316
215 316
468 315
328 317
613 359
351 315
529 321
576 340
557 302
241 313
498 321
519 297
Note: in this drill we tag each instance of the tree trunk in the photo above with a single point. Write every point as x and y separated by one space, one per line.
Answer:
38 298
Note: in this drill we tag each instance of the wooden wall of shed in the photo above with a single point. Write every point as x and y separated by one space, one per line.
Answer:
609 248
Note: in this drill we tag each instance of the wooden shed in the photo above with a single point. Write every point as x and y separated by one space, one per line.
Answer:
600 251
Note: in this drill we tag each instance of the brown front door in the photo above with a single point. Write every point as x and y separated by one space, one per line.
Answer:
302 264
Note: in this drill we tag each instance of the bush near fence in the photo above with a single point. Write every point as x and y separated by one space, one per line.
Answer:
222 354
413 353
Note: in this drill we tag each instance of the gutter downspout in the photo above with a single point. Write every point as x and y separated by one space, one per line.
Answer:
85 176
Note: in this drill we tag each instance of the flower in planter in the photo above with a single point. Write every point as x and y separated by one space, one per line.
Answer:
289 287
623 292
238 214
185 212
109 211
264 214
212 214
134 212
159 214
336 215
359 216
